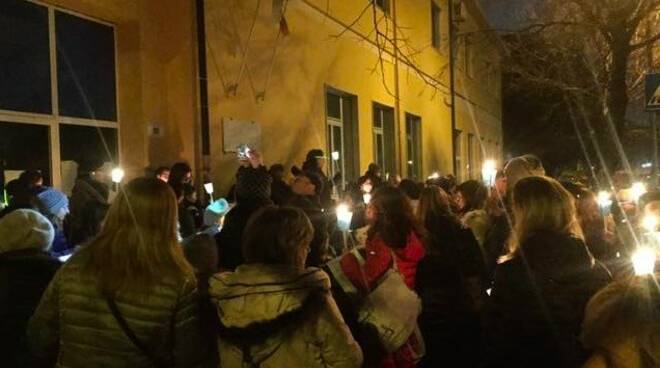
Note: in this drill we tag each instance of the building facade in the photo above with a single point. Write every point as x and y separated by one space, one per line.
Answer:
365 81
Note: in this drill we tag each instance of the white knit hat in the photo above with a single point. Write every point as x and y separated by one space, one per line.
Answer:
25 229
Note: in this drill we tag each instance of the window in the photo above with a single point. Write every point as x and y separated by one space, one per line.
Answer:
414 146
384 141
24 147
468 59
57 99
25 57
342 136
470 157
85 68
458 151
384 5
435 25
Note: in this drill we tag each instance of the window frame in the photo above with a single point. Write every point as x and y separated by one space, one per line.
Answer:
436 28
54 120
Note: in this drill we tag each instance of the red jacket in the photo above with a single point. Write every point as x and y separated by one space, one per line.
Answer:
378 259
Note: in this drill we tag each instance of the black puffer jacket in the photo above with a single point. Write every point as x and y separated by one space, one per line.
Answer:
24 276
450 282
538 302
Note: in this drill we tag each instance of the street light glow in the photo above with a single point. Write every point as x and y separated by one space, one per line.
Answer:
117 175
366 197
644 261
650 223
489 172
344 217
637 190
435 175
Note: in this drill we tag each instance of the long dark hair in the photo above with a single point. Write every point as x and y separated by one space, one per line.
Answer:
394 218
178 173
475 194
434 203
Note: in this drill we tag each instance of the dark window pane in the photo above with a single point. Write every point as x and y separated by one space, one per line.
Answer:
334 106
25 147
78 143
378 118
85 68
24 57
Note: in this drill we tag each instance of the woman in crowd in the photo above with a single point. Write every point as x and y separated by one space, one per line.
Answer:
129 298
26 268
274 311
471 199
602 244
451 284
252 192
543 283
180 173
394 240
315 164
622 325
54 205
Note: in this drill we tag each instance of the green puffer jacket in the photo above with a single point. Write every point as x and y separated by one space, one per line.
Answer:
275 316
73 326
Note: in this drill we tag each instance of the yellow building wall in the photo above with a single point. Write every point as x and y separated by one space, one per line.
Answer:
156 77
319 52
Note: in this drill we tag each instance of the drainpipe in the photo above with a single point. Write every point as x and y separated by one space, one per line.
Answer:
452 87
203 89
397 95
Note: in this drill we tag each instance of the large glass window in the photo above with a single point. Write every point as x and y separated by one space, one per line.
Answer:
24 57
414 146
470 157
342 136
85 68
57 99
384 140
24 147
458 151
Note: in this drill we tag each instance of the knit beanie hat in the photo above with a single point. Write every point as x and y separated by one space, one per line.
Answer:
253 184
53 200
25 229
215 211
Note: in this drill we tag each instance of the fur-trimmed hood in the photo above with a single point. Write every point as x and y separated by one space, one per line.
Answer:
258 293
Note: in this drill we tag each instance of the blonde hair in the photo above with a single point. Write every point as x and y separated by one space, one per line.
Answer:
626 311
137 247
541 203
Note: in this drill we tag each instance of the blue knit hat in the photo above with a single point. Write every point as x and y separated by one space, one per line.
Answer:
54 200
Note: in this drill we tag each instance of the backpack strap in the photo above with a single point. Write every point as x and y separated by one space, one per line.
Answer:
131 335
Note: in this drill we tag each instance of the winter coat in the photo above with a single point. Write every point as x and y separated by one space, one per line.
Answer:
73 325
24 276
85 193
280 192
538 302
378 259
277 316
479 222
229 239
451 283
186 222
495 241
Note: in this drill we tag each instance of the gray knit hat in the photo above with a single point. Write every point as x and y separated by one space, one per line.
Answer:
25 229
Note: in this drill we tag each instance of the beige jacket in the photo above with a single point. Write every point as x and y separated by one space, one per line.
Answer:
275 316
479 222
73 326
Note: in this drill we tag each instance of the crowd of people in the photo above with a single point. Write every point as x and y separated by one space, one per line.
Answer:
524 271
